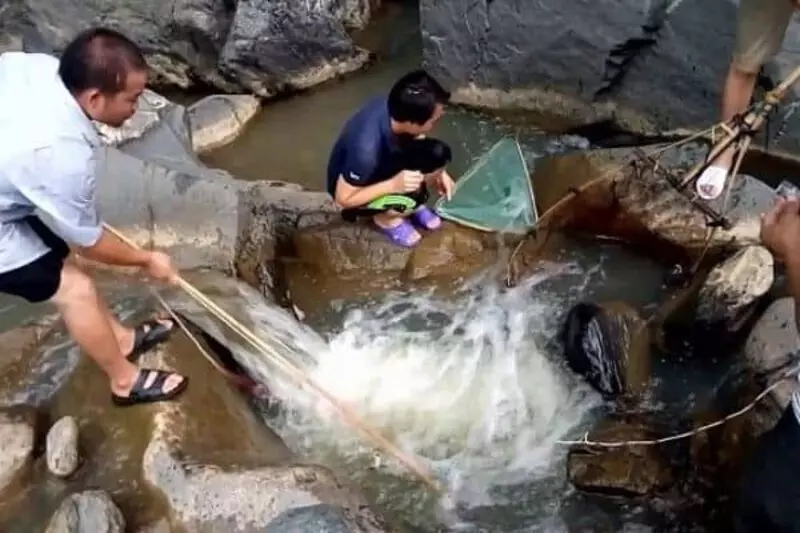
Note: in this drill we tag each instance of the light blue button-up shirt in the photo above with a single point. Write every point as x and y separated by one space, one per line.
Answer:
47 160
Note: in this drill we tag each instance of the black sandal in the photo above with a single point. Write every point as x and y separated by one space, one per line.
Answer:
148 335
140 394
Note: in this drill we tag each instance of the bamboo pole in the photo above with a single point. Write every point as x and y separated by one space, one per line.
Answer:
301 377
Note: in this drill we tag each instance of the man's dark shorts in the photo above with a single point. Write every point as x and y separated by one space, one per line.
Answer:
38 281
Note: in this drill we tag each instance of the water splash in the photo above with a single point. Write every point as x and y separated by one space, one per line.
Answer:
473 385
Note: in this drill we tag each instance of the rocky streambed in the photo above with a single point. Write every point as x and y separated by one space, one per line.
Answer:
208 463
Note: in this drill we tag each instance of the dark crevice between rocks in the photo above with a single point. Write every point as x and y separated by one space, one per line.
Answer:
623 54
235 373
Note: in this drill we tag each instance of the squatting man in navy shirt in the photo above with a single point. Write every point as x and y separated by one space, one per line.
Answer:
382 162
48 166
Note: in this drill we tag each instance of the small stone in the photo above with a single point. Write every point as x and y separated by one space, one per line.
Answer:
62 447
621 471
87 512
318 518
16 446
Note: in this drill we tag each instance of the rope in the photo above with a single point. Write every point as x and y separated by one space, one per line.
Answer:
510 278
243 381
788 374
300 376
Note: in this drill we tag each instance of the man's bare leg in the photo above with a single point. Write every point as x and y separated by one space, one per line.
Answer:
736 95
87 320
125 336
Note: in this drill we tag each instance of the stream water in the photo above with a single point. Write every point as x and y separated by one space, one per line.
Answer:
472 383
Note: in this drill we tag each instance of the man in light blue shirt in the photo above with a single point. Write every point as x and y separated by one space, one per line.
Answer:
47 166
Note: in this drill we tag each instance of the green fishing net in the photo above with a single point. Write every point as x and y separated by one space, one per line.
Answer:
495 194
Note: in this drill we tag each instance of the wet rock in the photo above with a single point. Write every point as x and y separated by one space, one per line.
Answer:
624 471
627 64
87 512
768 349
632 202
262 46
17 437
278 497
62 447
320 518
344 247
234 475
734 285
648 198
217 120
276 46
607 345
155 189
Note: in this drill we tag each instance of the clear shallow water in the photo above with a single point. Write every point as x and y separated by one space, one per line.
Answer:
473 385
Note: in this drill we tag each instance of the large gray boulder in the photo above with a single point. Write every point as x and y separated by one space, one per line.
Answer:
265 46
643 65
152 186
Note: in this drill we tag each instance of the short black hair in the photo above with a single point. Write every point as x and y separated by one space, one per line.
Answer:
99 58
413 98
428 155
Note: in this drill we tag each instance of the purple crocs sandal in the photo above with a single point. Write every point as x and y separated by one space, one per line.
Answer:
402 235
427 219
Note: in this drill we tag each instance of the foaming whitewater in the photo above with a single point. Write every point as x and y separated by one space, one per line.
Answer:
472 384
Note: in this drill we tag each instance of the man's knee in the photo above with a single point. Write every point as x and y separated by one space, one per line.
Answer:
76 286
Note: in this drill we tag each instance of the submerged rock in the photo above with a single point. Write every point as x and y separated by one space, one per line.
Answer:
266 47
317 518
155 189
608 346
62 447
733 286
91 511
624 471
16 443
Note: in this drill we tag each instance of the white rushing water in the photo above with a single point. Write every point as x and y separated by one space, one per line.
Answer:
473 385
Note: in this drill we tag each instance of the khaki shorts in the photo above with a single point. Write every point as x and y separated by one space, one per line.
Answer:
761 27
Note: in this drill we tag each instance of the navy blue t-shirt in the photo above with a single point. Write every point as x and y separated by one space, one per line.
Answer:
365 152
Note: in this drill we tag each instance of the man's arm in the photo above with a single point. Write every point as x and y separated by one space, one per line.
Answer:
61 184
360 165
348 195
